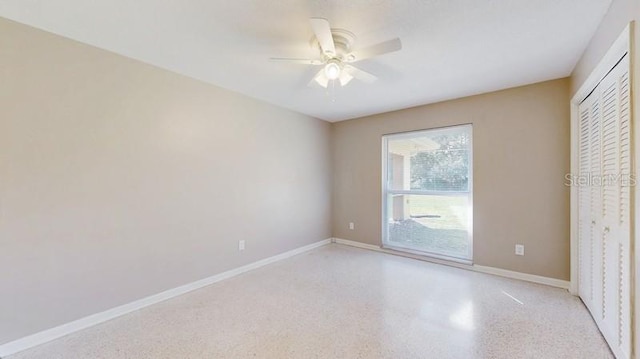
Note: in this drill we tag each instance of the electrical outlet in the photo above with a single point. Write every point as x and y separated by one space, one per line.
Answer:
519 249
241 245
352 226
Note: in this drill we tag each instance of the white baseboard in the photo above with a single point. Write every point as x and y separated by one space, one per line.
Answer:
94 319
553 282
356 244
474 267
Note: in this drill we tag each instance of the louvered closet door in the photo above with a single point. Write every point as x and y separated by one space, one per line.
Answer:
595 203
604 228
616 232
585 241
623 215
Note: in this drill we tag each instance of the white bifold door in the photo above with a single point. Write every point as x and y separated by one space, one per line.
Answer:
604 203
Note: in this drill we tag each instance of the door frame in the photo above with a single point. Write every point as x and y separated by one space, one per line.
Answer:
621 46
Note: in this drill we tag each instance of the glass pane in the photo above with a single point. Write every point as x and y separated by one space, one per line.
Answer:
436 160
435 224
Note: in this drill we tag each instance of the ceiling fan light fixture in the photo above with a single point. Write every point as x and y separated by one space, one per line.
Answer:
332 70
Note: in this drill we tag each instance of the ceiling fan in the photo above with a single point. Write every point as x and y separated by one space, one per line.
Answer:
336 54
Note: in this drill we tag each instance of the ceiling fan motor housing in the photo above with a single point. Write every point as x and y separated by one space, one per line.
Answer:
344 41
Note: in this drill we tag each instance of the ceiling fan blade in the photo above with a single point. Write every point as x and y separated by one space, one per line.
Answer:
375 50
296 61
360 74
345 78
321 79
322 29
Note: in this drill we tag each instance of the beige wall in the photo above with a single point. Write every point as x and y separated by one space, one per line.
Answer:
119 180
619 15
520 156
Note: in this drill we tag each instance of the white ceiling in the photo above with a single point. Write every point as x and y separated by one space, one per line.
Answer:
451 48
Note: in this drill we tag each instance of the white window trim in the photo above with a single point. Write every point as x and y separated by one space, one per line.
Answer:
385 190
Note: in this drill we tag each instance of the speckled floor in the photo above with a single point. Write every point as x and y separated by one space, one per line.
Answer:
343 302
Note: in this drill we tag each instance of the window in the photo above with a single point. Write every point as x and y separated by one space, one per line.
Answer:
427 192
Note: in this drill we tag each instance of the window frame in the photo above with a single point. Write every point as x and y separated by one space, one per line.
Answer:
386 192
